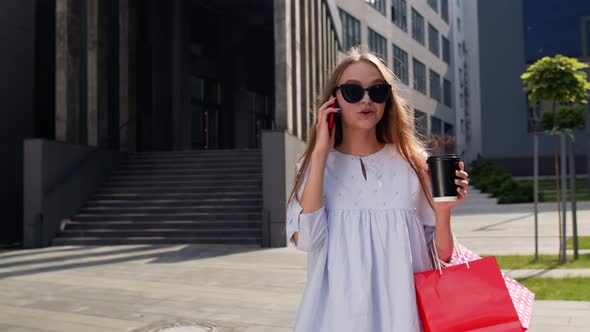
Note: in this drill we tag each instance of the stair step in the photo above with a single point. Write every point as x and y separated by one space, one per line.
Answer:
200 165
199 152
194 158
178 190
74 241
183 169
169 209
171 195
195 233
130 202
168 216
183 181
204 224
235 169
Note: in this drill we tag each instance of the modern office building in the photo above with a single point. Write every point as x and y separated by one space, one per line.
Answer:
415 39
121 114
502 38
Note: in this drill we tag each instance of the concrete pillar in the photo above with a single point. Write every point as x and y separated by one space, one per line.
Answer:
313 57
125 76
282 41
298 63
304 35
181 126
67 71
322 52
92 72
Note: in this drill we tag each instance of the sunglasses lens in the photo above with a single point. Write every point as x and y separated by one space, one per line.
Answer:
379 93
352 93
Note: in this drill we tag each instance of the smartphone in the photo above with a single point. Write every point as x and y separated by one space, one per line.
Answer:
331 119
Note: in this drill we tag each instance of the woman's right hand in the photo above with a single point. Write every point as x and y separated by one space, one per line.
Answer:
324 142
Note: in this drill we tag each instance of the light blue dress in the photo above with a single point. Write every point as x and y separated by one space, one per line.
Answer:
363 245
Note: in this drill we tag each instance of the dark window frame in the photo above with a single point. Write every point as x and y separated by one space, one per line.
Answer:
433 46
351 29
419 79
377 44
418 32
399 14
400 64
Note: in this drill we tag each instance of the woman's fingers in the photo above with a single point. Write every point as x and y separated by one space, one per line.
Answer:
462 192
323 111
462 174
462 183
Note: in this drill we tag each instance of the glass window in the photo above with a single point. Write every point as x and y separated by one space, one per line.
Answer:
435 125
458 24
586 33
400 64
434 85
449 130
377 4
420 123
351 29
433 4
444 10
378 44
447 93
433 43
419 76
446 50
399 14
417 26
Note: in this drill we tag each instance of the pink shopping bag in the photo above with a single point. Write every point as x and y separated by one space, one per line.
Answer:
522 297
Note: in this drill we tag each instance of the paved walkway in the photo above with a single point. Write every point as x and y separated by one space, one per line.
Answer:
509 229
547 273
237 289
125 288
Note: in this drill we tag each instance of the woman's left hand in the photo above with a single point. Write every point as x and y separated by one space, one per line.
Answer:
462 183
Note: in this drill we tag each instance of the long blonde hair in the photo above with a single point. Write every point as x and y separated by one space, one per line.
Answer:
395 126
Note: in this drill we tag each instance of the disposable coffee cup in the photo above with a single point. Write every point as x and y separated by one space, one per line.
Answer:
442 177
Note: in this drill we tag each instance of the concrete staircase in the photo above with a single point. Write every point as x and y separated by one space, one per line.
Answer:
477 202
198 196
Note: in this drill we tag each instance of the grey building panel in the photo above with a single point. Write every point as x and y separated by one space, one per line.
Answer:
503 101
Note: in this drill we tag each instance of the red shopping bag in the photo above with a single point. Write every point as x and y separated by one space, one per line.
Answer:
522 297
466 297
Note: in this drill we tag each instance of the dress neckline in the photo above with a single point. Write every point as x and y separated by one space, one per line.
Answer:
372 155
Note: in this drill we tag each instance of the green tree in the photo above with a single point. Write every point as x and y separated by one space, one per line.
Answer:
559 83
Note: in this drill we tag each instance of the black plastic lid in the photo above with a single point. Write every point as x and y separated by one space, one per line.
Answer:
443 157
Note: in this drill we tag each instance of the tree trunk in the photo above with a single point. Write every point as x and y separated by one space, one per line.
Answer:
557 186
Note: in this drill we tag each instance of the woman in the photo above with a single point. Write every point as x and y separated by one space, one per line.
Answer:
363 211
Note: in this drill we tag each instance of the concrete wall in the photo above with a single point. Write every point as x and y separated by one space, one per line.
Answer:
473 107
17 107
503 101
58 178
280 153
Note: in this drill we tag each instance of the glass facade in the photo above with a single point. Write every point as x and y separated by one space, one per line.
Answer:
351 30
434 85
378 44
446 50
400 64
379 5
419 76
399 14
417 26
433 42
556 27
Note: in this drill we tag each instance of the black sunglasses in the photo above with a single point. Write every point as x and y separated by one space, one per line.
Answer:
353 93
